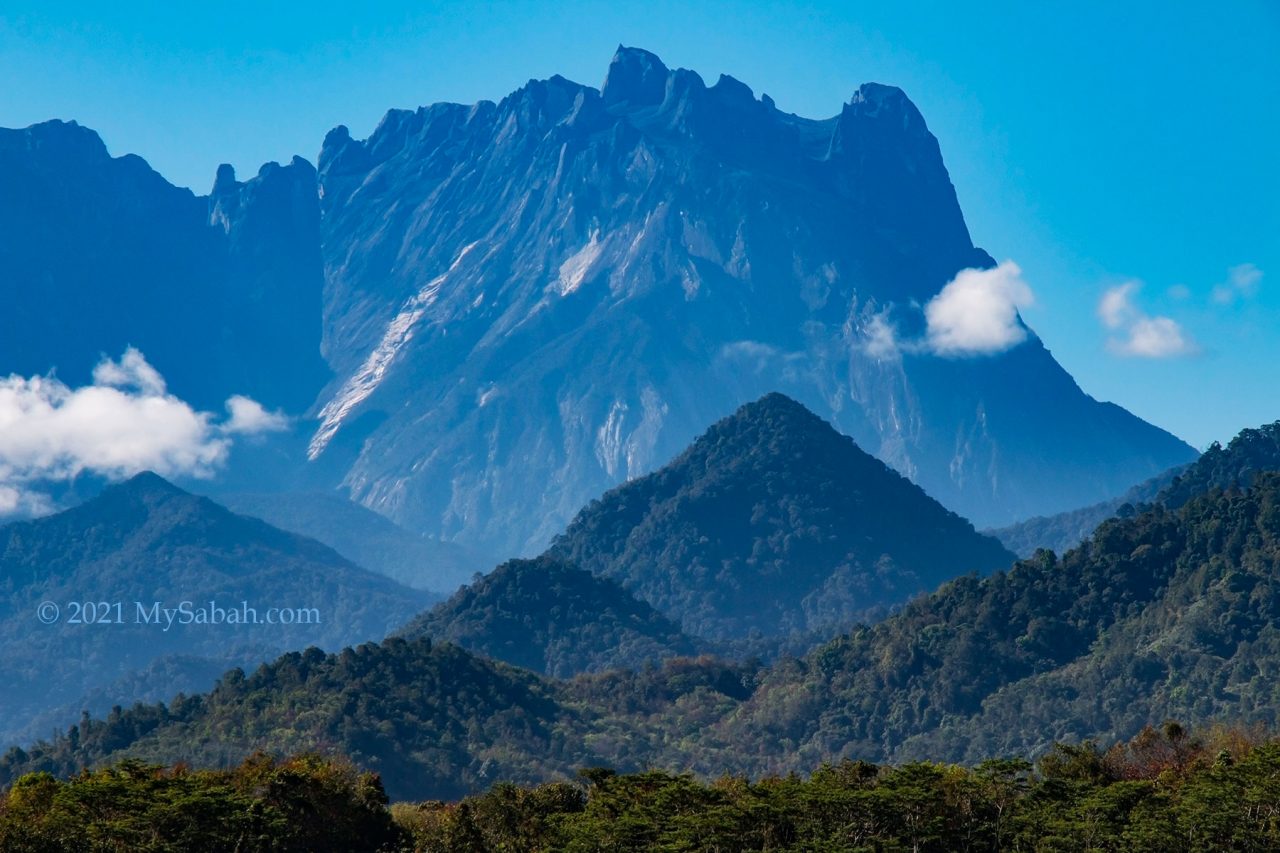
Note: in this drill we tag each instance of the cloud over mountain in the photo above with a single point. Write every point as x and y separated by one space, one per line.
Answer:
123 422
976 313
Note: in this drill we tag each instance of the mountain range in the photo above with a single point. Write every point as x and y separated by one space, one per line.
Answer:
486 315
87 596
1166 613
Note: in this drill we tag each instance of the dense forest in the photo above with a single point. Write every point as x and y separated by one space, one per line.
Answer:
1166 789
1166 613
773 524
1163 614
553 618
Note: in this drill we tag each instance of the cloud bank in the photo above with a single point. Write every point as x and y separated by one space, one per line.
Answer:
1137 334
126 421
977 312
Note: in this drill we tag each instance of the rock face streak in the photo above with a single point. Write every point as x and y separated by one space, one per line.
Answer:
528 302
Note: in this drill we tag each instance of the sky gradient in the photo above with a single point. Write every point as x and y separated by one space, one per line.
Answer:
1129 151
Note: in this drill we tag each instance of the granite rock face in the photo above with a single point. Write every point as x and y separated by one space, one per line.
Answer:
528 302
221 293
497 312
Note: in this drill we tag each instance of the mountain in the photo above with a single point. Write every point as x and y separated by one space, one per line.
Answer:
432 719
552 618
552 294
220 293
771 523
1066 530
556 292
1169 614
85 594
362 536
1248 453
1165 614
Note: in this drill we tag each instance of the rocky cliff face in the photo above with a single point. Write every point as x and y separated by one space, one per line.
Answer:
531 301
497 312
222 294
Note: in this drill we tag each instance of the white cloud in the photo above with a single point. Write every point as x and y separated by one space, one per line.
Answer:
1242 283
1116 309
1136 333
248 417
977 312
122 423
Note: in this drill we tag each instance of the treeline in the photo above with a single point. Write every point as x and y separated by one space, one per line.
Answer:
301 804
1164 790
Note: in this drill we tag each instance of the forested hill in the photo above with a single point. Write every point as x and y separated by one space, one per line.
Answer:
432 719
1171 613
145 544
1250 452
552 618
774 523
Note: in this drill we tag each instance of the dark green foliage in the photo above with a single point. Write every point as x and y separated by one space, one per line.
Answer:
1163 790
1251 452
1166 613
305 804
147 541
552 618
429 718
1156 794
773 523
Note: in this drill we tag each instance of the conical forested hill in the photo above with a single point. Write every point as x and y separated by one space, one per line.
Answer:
772 523
553 618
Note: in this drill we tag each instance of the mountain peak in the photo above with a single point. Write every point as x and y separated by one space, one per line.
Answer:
636 78
146 484
549 616
65 138
775 403
773 522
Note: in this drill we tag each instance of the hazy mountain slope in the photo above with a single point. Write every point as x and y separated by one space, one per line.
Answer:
146 543
365 538
556 292
552 294
772 523
553 618
1066 530
1248 453
222 294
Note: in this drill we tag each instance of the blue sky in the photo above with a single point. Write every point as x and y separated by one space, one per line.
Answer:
1125 148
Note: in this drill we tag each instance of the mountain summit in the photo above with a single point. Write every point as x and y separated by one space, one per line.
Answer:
130 580
772 523
553 294
497 311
